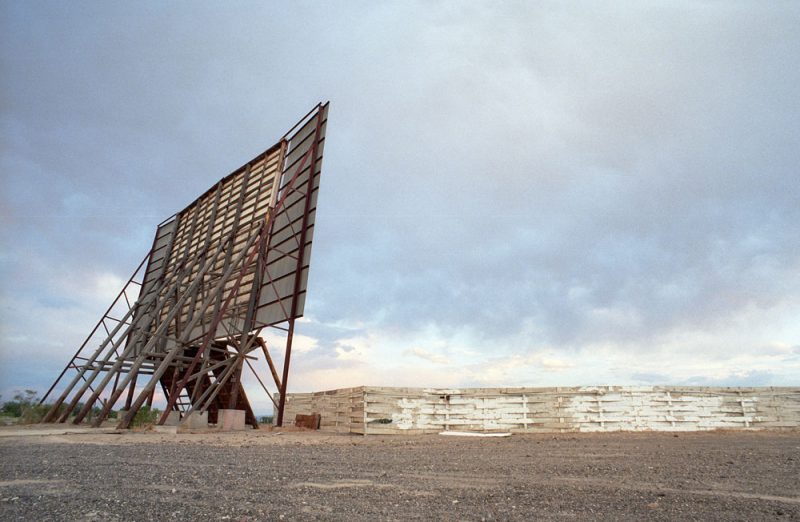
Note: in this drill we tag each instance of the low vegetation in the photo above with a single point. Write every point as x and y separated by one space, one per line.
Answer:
24 408
146 417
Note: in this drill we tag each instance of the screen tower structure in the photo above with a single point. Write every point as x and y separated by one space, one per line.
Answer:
218 293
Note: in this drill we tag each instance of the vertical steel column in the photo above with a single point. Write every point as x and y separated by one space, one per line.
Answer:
299 270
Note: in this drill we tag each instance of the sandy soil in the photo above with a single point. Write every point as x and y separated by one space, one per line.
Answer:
293 475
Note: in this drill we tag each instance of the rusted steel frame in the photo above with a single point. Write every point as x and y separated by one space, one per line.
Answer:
289 188
276 182
148 347
281 328
261 382
272 216
121 365
234 226
270 221
116 352
255 292
167 220
161 336
201 373
81 375
90 364
167 255
96 369
173 386
178 358
177 268
291 227
272 369
113 319
277 294
125 295
205 369
175 290
231 293
50 390
255 289
302 120
243 349
212 219
190 233
232 339
108 332
299 270
132 335
163 390
131 389
272 283
235 339
282 390
116 378
236 383
212 391
228 251
165 363
283 253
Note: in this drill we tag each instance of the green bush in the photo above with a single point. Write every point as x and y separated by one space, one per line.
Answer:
25 408
145 417
266 419
22 401
34 413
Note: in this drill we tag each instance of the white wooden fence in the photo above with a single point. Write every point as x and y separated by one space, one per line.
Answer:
380 410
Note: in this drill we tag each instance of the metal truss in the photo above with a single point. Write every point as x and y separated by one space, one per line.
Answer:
218 274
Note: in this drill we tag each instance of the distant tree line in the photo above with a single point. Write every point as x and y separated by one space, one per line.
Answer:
24 408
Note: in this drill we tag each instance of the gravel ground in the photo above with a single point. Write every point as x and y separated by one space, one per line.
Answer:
267 475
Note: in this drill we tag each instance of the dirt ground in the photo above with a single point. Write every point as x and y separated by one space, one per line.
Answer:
273 475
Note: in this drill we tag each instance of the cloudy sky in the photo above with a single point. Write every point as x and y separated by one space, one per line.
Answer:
512 194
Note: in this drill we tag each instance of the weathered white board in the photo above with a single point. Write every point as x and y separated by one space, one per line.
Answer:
379 410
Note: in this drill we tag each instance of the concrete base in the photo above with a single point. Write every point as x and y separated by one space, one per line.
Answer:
173 419
230 420
195 421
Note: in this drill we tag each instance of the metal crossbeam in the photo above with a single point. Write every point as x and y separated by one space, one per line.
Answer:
227 266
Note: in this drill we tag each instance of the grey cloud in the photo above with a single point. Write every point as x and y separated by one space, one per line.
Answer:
650 378
574 174
746 378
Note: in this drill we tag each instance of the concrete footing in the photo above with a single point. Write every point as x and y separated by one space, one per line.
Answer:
173 419
230 420
195 420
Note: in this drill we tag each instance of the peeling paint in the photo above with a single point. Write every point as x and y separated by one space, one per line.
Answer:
579 409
